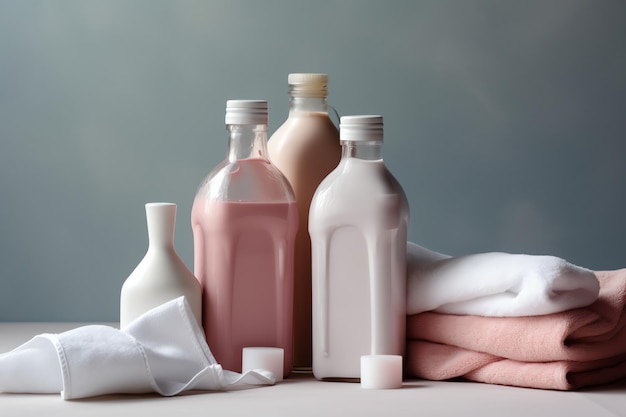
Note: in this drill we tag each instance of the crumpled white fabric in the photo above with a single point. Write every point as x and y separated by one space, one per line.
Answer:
495 284
162 351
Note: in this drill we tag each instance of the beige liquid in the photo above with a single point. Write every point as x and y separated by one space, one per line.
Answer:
306 149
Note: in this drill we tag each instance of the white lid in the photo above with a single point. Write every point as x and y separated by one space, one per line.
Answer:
246 112
361 128
381 371
313 85
268 358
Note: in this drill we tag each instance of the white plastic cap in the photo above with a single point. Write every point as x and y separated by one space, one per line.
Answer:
246 112
308 85
268 358
381 371
361 128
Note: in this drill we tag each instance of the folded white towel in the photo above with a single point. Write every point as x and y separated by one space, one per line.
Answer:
495 284
162 351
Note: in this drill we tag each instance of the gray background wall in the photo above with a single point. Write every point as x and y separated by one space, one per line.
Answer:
504 123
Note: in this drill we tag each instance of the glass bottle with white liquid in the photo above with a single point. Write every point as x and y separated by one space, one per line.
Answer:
358 225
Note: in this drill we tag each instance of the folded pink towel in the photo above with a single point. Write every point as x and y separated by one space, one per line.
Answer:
440 362
568 350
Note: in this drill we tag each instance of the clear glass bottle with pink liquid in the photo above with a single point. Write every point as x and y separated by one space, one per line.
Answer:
244 220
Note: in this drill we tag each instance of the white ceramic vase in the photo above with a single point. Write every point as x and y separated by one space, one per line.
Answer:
161 275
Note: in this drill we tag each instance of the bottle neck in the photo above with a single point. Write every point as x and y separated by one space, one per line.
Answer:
307 104
247 141
365 150
161 219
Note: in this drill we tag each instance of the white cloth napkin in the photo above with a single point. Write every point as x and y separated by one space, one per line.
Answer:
495 284
162 351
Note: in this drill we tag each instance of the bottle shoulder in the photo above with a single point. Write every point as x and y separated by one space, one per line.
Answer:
362 176
357 185
161 269
253 179
303 131
306 149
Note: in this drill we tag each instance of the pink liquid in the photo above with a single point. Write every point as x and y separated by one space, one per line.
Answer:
243 257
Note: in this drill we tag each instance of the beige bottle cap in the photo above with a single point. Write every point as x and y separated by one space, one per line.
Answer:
313 85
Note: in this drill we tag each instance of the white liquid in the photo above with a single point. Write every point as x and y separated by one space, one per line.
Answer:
358 226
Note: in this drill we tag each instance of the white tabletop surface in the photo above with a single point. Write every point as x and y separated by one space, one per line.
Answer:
302 395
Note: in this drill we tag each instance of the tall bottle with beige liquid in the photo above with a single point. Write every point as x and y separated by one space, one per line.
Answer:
306 149
358 224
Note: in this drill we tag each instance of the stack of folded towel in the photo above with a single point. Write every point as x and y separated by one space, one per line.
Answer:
520 320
